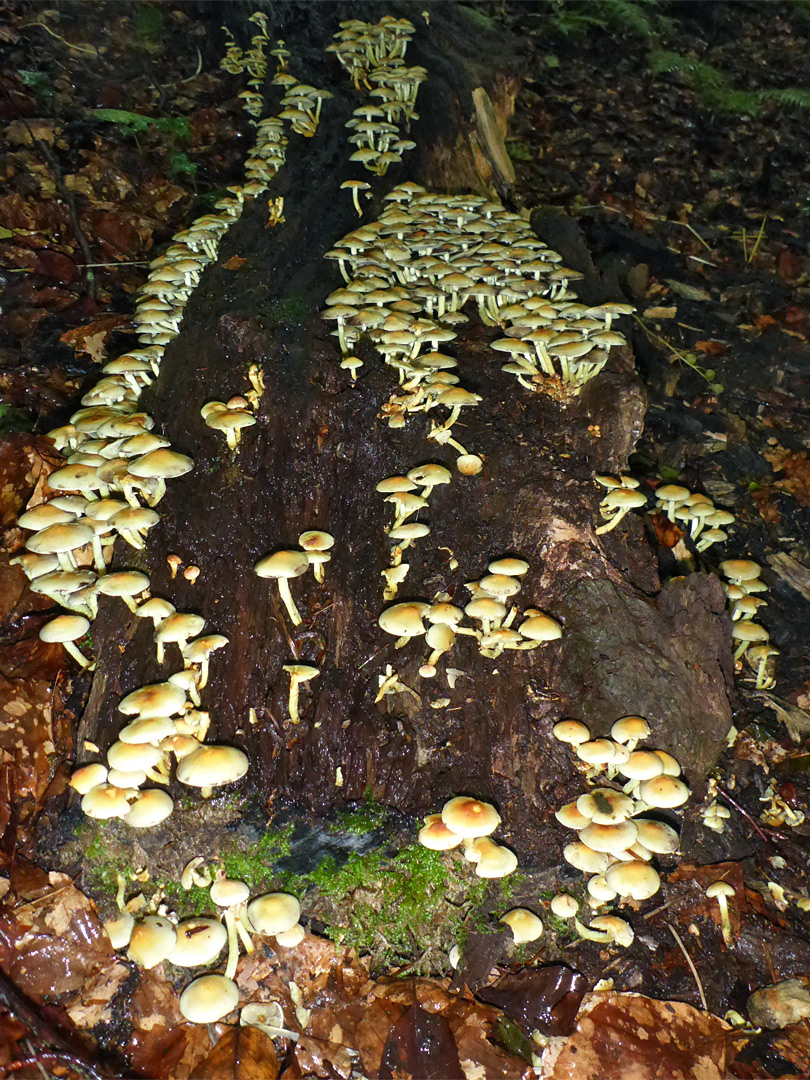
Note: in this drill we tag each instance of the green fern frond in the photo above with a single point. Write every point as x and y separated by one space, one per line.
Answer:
627 15
794 96
672 63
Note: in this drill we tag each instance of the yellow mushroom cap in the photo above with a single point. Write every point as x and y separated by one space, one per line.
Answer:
199 942
106 801
316 540
570 816
212 766
283 564
571 731
597 751
436 836
147 729
604 806
524 924
404 620
610 838
288 939
510 566
88 777
470 818
634 879
492 860
274 913
156 699
657 836
664 792
226 892
620 931
208 999
150 808
540 628
630 729
642 765
585 858
564 906
152 941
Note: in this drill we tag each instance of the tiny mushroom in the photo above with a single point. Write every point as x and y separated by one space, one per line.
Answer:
722 891
524 924
299 673
208 999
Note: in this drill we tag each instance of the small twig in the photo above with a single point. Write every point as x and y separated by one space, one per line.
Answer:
372 657
694 232
73 213
755 248
751 821
663 907
692 967
197 72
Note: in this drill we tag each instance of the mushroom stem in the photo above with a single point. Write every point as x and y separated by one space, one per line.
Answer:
77 656
132 538
591 935
233 944
98 555
293 701
289 603
614 521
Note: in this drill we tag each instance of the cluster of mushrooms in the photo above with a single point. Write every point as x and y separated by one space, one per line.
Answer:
706 524
373 54
151 935
114 465
487 606
616 846
469 822
743 588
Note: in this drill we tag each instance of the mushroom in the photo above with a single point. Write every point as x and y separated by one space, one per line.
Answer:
212 766
149 808
208 999
177 628
316 543
152 941
231 896
721 891
199 652
564 906
267 1016
273 913
436 836
524 924
469 817
64 630
355 186
620 501
404 621
299 673
609 929
282 566
199 942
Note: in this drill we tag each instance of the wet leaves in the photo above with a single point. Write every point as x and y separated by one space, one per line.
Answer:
243 1053
545 999
621 1035
420 1046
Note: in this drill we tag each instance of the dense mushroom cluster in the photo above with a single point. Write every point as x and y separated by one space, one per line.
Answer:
468 823
488 607
373 54
152 934
114 465
615 845
743 589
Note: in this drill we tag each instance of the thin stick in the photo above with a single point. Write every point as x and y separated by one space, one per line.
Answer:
692 967
755 248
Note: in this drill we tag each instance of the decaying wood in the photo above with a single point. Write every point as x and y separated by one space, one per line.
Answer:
313 460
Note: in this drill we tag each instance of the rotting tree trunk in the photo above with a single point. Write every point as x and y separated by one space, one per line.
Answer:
313 460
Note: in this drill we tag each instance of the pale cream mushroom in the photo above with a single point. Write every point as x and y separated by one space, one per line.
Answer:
231 896
524 924
619 502
273 913
198 652
299 673
564 906
199 942
212 766
61 541
154 699
87 777
469 817
209 999
436 836
404 621
317 543
126 584
491 860
64 630
177 629
149 809
107 801
282 566
152 941
722 891
160 465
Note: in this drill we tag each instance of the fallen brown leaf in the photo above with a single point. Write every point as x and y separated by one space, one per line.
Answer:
243 1053
234 263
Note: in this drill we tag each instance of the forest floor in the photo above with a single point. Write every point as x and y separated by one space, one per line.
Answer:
702 219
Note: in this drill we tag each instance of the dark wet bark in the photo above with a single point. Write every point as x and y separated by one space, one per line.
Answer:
313 461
